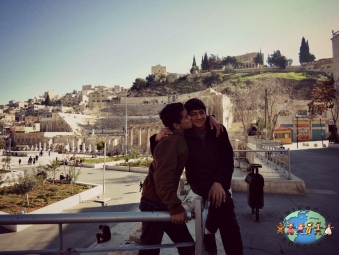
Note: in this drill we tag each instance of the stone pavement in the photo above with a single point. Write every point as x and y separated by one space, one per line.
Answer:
319 169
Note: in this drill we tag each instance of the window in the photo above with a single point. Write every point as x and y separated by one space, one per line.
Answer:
328 66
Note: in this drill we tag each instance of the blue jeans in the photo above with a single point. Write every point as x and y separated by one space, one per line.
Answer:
152 232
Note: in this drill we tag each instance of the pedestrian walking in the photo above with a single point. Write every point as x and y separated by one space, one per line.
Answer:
33 161
140 186
19 161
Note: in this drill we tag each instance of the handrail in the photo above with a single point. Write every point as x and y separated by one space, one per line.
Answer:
274 156
56 218
69 218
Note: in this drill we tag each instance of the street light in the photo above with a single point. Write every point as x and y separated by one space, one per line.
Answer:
126 132
297 130
321 130
103 200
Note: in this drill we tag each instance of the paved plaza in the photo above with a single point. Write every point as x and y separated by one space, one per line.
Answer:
317 167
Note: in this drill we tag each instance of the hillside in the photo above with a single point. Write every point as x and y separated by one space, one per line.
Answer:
301 83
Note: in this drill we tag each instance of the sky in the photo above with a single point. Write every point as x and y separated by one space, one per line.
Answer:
63 45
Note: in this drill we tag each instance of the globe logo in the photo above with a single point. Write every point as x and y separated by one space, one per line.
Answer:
304 227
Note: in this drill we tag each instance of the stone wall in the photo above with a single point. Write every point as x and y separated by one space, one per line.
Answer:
270 69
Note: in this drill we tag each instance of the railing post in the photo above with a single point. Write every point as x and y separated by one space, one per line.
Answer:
61 241
199 228
289 163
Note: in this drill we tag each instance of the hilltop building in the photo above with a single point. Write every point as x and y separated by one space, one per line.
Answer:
248 59
49 93
321 65
158 69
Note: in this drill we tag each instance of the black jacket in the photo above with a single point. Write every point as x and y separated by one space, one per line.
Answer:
106 233
208 161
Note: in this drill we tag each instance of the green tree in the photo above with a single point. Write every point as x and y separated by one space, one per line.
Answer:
231 62
325 97
194 69
194 63
7 161
47 101
277 59
100 145
258 59
162 78
150 80
2 144
138 84
52 168
24 183
204 63
304 53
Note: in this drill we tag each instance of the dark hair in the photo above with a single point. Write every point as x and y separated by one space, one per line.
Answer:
171 114
194 104
101 226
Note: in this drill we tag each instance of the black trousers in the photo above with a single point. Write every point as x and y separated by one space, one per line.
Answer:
99 235
222 218
152 232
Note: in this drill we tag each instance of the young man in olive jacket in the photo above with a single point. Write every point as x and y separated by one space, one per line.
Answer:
209 170
159 190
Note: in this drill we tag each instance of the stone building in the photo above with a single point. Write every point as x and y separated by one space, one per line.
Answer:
100 97
158 69
248 59
321 65
49 93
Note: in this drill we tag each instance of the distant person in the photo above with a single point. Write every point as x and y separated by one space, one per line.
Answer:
49 153
105 235
33 161
140 186
19 161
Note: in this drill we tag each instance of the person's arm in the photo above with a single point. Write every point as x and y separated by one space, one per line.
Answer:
165 156
154 139
213 123
222 184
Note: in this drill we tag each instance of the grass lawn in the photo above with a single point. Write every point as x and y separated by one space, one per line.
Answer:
45 195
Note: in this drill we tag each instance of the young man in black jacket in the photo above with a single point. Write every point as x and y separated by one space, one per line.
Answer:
105 235
209 170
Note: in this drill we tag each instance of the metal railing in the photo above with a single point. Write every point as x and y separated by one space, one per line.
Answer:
69 218
275 158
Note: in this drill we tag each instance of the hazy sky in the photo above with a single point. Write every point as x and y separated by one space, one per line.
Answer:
62 45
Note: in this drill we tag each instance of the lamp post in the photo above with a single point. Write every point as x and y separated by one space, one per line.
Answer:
103 174
297 130
126 132
321 130
103 200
